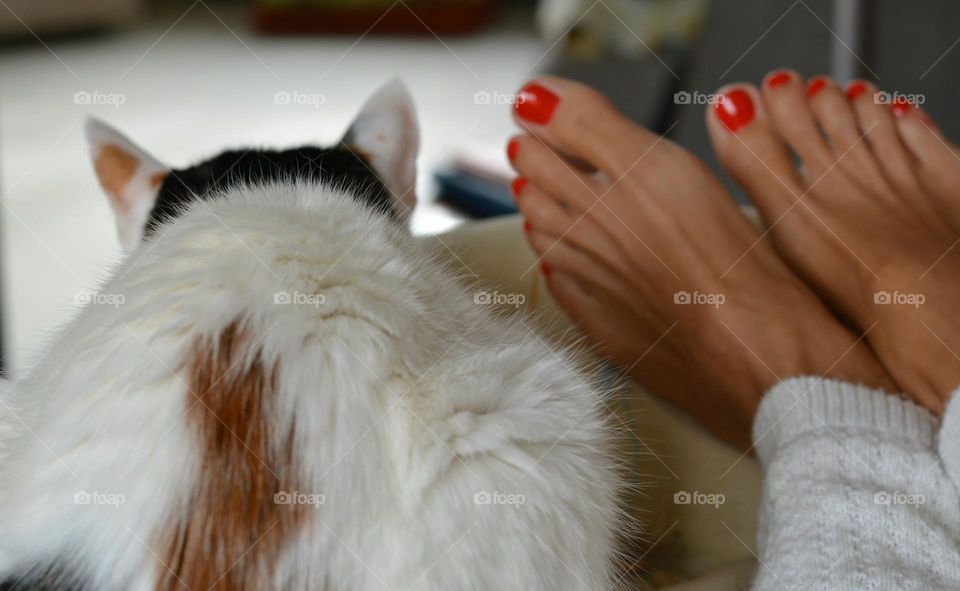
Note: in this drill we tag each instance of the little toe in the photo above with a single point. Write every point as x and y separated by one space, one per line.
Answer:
938 160
927 144
580 302
589 305
878 124
923 138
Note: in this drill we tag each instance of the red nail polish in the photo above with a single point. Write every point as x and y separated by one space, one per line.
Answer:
778 79
855 90
536 104
735 110
546 269
517 186
512 149
816 85
527 226
900 106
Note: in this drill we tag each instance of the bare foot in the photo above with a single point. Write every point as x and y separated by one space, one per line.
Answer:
646 250
870 218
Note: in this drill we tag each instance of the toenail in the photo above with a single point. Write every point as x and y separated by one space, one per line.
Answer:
778 79
855 90
527 226
536 104
517 186
512 149
816 85
546 269
900 106
735 110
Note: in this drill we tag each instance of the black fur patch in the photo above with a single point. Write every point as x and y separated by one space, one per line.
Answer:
338 165
38 585
39 579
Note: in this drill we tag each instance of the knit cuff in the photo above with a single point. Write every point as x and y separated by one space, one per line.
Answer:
949 444
800 406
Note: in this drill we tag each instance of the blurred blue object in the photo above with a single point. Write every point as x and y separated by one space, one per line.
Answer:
475 196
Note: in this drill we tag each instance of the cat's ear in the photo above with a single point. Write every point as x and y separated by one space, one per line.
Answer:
385 133
129 175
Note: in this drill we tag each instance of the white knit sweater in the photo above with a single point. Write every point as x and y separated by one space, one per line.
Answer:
860 491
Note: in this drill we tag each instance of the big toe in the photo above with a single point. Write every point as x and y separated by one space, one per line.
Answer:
752 152
577 121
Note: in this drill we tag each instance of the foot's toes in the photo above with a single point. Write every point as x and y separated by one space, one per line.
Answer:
877 123
545 168
577 121
939 160
559 256
546 215
837 119
752 153
785 100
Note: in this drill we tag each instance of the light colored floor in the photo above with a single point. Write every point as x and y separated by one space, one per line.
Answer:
191 87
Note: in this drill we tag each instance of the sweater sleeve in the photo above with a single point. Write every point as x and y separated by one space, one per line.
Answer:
948 444
855 496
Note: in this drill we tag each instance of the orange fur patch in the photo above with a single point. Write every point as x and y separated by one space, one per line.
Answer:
231 531
157 179
115 169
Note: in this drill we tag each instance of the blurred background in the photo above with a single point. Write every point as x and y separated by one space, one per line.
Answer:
186 79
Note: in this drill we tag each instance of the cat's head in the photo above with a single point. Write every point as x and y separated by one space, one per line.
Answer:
376 157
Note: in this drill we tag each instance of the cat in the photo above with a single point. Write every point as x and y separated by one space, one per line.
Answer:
281 388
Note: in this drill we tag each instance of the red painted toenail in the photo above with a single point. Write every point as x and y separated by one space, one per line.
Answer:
517 186
855 90
778 79
536 104
900 106
512 148
735 110
527 226
816 85
546 269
